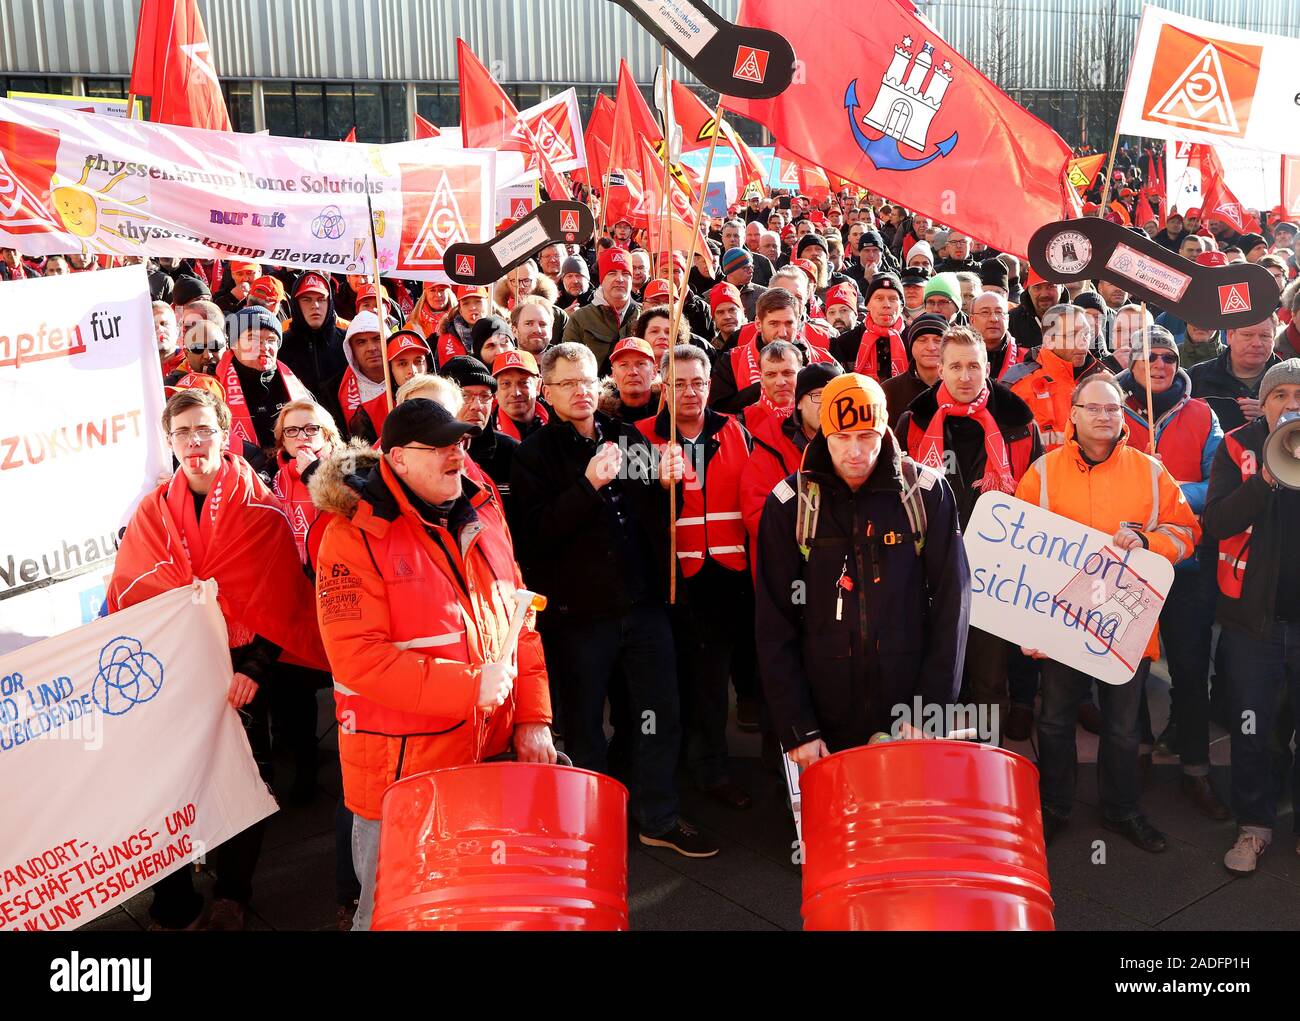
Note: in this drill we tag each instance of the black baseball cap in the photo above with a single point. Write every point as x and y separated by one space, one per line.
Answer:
421 420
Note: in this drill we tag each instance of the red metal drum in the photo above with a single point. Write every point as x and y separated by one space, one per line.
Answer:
924 835
503 845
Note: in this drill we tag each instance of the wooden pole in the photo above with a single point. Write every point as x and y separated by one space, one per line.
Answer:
666 198
1110 169
673 326
1146 355
379 297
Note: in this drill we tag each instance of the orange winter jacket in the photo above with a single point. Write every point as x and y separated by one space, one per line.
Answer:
1046 384
1129 486
409 614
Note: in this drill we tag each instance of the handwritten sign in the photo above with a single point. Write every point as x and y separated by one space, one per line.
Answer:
1044 582
120 759
80 441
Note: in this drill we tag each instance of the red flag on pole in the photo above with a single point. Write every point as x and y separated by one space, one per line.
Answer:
632 122
1217 200
489 120
888 103
598 138
173 66
425 129
351 136
698 127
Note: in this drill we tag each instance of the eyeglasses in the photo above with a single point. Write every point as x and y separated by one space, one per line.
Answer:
198 349
294 431
1098 410
201 433
478 398
695 386
990 313
567 386
1167 359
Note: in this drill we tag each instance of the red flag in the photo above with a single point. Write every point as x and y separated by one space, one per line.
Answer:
351 136
632 121
810 181
489 120
888 103
425 129
1217 200
173 66
1143 212
698 128
598 139
676 230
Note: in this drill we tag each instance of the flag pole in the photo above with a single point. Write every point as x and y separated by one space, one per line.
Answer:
1146 355
379 297
674 325
666 196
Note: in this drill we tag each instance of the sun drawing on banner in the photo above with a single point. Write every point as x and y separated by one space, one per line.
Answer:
82 209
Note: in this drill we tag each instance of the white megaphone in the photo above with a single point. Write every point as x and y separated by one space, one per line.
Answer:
1282 450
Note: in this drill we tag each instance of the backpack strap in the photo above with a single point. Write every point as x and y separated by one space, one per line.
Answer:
913 479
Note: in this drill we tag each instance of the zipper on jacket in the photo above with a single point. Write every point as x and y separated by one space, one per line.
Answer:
401 758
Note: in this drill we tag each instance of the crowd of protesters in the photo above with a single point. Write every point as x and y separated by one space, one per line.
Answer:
846 378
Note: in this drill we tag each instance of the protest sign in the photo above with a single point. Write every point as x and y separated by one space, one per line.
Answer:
82 104
74 182
120 758
1197 81
80 441
1044 582
1253 177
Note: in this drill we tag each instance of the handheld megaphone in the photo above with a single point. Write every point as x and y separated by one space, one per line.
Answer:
1282 450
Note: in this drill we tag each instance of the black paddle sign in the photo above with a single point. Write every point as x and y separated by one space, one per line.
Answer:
1211 297
749 63
569 223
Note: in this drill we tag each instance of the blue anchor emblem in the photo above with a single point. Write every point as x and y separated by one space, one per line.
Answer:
884 153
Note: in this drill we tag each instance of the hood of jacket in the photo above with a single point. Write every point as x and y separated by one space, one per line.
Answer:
340 478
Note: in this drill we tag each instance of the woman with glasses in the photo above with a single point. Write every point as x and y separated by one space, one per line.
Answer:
242 540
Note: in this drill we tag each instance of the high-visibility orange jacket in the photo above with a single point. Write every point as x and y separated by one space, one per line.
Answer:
1129 486
1046 384
410 611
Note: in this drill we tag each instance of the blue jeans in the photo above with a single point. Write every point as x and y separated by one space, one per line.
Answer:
1117 760
1186 630
585 660
1261 670
365 859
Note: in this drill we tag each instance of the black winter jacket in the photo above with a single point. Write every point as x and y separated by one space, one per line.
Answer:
839 675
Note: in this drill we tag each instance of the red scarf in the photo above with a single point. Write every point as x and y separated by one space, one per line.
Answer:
243 541
241 422
296 498
997 467
503 423
868 356
351 400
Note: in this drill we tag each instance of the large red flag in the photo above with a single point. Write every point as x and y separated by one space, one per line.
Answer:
698 128
489 120
674 232
888 103
173 66
1217 200
598 138
632 122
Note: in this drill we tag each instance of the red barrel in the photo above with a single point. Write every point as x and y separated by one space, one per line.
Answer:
924 835
503 845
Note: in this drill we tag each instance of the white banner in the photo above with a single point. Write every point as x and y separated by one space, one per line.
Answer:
74 182
1044 582
120 758
80 441
1254 177
81 104
1198 81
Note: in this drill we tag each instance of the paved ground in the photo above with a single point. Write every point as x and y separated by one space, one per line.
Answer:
753 885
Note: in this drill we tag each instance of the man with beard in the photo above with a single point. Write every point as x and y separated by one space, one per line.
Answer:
728 314
612 314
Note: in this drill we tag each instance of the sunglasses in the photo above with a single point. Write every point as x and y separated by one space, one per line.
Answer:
1166 359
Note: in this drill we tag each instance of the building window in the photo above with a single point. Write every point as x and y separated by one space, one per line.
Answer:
331 111
57 86
239 105
106 88
438 102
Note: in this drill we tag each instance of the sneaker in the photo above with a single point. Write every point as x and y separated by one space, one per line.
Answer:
747 715
1201 794
1167 743
227 916
1020 723
1138 832
685 839
1244 854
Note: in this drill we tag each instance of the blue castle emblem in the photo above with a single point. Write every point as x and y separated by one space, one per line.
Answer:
903 109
